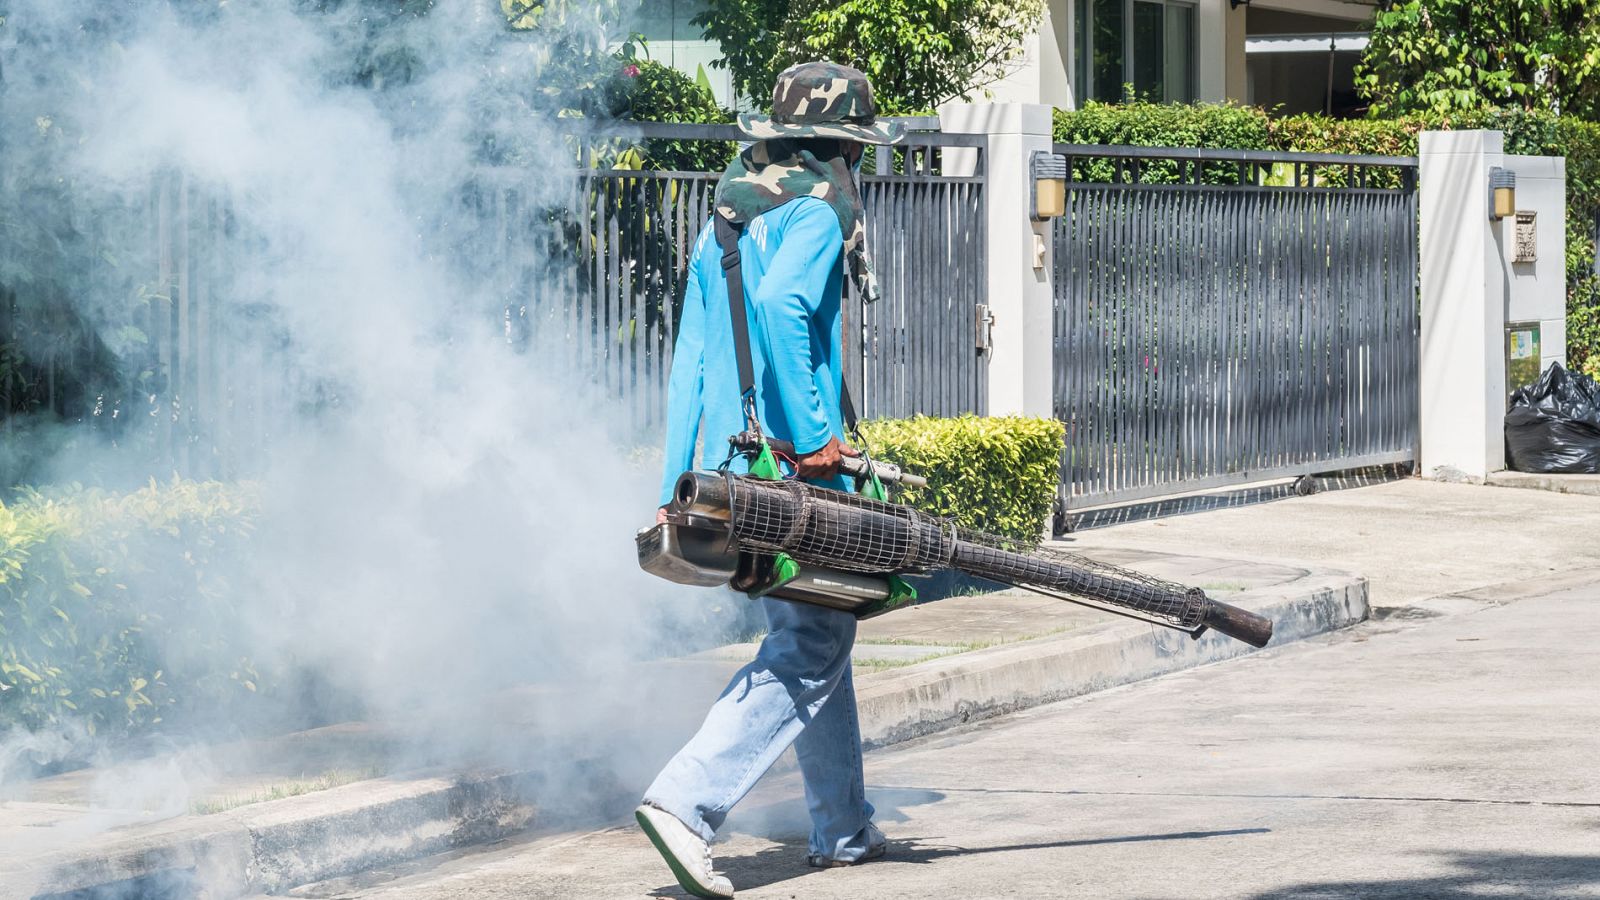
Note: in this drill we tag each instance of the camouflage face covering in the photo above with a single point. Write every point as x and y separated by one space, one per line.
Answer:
770 173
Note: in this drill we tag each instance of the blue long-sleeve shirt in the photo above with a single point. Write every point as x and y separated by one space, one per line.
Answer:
791 261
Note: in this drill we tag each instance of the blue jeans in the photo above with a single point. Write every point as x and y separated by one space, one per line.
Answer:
797 690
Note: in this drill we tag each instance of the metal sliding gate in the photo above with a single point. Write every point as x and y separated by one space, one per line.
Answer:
1223 317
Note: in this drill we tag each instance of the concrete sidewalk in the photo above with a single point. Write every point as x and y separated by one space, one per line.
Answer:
1588 485
1412 539
1439 759
338 800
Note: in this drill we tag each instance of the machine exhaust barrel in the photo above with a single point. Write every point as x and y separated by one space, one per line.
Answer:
703 494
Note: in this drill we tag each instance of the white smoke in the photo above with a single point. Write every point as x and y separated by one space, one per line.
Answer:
443 517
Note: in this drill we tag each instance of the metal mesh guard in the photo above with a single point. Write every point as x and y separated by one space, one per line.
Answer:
836 529
1056 571
850 532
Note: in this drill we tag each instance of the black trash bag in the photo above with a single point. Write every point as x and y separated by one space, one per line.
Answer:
1553 426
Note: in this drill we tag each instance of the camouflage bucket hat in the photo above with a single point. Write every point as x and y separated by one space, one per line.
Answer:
822 99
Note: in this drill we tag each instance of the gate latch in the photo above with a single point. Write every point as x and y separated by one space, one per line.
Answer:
985 325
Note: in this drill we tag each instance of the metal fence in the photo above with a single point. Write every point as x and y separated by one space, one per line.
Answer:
595 278
135 342
1222 317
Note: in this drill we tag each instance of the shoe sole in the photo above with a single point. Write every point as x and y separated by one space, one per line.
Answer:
685 880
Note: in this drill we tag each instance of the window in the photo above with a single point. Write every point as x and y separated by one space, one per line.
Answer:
1148 44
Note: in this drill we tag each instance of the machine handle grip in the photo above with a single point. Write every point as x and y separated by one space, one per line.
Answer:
854 466
1239 624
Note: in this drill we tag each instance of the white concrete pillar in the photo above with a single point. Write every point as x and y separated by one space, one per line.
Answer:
1019 291
1471 287
1056 79
1215 21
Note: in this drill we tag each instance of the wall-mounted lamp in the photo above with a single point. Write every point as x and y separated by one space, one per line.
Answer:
1502 193
1049 171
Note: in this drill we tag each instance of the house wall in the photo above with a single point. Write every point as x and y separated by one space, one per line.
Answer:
671 40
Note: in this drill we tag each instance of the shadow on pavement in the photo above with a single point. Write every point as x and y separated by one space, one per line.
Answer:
1103 517
787 860
1479 875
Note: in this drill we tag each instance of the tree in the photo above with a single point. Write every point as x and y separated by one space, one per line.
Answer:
1450 55
918 53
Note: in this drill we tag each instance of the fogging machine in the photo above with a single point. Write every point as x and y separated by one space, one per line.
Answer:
796 541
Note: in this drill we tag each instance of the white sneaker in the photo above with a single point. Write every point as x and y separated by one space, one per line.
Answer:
684 850
877 846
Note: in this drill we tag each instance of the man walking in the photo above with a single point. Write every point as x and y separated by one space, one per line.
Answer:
792 197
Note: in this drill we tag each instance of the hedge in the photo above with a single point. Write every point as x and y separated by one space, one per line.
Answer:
1229 126
114 611
992 474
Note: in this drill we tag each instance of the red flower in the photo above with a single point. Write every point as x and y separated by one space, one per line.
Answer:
631 70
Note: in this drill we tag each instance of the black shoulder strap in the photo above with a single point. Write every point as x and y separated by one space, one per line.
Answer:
728 240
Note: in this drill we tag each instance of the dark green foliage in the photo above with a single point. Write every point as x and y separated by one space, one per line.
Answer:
918 53
647 91
1438 56
994 474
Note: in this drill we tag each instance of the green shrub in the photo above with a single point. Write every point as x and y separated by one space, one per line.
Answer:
1141 124
993 474
113 609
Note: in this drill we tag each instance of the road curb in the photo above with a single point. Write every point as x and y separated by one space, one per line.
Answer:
1582 485
903 704
273 846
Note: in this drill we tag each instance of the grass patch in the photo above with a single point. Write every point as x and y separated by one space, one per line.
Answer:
285 790
961 646
879 665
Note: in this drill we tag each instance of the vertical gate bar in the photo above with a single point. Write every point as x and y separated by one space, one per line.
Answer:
1307 394
1104 309
1131 384
902 342
1363 416
1392 430
1355 423
1325 209
924 303
1383 285
1297 365
1121 309
1181 259
1250 336
1144 291
947 343
1246 336
1338 322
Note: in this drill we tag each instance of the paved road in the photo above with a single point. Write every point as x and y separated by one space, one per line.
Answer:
1447 757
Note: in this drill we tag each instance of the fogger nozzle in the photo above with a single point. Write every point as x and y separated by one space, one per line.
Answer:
702 494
